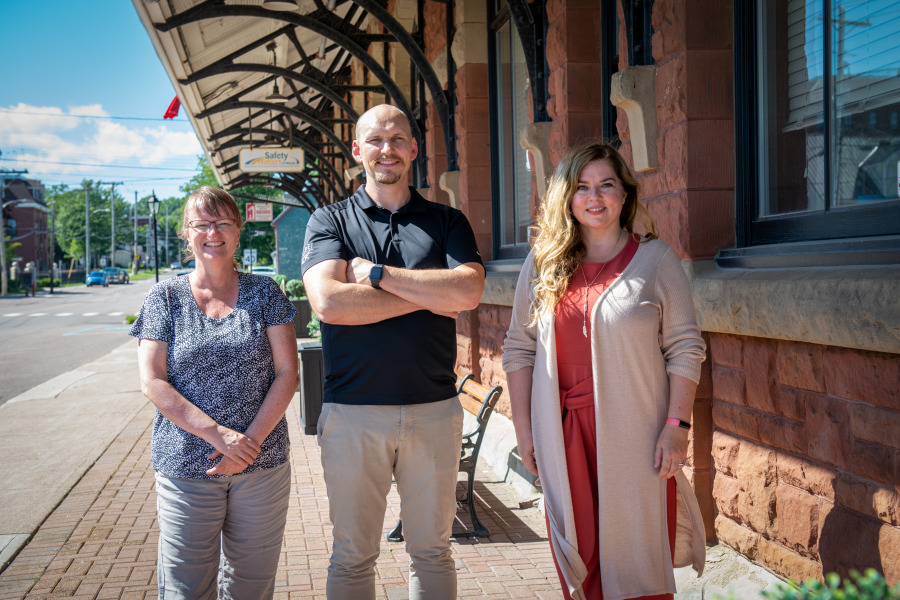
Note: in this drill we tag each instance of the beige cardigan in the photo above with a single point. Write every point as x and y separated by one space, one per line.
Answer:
643 327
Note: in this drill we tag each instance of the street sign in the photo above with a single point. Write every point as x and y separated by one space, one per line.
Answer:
271 160
249 256
259 211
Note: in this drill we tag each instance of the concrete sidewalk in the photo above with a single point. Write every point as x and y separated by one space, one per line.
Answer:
77 476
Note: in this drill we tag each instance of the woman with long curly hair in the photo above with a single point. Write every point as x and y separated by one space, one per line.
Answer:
602 360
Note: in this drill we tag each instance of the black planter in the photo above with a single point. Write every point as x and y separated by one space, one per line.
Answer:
304 314
312 385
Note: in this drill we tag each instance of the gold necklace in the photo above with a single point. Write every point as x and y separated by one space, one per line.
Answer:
587 288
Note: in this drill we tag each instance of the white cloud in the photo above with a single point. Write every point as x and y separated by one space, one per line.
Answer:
33 137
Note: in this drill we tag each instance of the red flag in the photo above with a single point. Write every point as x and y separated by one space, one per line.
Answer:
172 111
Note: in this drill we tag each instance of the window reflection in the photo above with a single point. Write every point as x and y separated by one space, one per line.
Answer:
857 152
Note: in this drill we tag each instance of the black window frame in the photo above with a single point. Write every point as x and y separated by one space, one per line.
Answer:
835 235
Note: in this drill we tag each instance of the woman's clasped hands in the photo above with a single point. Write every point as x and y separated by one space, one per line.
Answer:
236 450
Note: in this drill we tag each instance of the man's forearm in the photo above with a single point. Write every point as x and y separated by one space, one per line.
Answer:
357 304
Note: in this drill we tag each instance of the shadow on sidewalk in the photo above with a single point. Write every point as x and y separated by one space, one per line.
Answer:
507 525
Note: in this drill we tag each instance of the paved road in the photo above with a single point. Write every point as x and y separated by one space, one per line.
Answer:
47 335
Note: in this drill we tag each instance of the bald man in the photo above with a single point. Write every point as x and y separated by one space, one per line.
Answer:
387 272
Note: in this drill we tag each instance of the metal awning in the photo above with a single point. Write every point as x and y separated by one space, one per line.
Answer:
230 60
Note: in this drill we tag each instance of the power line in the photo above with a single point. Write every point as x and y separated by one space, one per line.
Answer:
58 162
70 116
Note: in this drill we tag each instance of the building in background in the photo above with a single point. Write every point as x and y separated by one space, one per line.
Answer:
764 135
26 217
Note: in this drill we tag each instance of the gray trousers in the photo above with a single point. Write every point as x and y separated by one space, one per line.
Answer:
363 449
228 529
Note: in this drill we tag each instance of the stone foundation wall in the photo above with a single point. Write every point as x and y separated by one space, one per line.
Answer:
806 448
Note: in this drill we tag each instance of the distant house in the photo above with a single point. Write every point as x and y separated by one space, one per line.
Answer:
25 217
290 233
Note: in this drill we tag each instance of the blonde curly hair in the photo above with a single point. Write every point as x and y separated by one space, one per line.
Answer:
558 246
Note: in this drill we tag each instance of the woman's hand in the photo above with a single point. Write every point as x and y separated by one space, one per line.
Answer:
526 452
671 450
236 446
226 466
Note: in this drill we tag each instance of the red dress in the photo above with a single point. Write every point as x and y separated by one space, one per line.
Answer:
576 392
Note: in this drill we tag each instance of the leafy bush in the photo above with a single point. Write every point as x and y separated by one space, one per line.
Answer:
280 279
314 327
295 289
870 586
44 282
130 319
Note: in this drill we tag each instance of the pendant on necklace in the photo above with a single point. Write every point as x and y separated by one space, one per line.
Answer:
584 330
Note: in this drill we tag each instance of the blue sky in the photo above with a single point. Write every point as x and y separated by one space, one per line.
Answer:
82 96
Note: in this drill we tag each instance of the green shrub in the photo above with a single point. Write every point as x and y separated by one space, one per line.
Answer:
314 327
280 279
130 319
44 282
295 289
870 586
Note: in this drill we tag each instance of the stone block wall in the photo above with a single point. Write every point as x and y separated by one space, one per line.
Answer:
806 449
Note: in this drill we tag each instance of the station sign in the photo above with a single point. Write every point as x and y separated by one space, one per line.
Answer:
271 160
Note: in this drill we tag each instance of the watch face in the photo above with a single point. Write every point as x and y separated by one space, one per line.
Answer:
375 276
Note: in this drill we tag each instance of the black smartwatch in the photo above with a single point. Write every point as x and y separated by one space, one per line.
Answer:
375 276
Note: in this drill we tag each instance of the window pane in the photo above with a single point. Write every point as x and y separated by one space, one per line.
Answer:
505 152
511 115
866 80
792 134
521 97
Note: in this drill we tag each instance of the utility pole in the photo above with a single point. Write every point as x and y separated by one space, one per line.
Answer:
52 243
134 254
87 234
112 213
167 234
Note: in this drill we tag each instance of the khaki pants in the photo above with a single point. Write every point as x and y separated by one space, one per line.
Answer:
363 449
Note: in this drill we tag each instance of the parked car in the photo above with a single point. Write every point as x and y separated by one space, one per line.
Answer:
175 265
261 270
116 275
97 278
187 268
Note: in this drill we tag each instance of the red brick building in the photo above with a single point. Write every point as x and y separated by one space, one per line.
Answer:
765 138
26 218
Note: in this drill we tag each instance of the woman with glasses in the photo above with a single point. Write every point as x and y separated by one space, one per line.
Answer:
218 359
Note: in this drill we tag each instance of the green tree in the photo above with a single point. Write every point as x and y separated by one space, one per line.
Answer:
259 236
204 176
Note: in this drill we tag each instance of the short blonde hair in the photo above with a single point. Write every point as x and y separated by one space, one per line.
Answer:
214 201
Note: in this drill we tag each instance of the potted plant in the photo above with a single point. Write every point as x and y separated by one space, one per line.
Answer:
312 375
297 295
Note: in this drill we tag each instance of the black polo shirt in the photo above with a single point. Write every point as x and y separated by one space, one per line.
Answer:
407 359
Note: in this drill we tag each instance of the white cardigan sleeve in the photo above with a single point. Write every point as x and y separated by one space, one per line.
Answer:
680 340
521 338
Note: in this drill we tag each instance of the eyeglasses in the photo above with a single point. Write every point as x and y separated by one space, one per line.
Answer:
223 225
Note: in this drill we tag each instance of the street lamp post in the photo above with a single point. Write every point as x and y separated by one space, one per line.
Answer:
154 208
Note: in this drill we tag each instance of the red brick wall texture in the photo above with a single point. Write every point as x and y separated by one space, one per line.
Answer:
795 452
806 446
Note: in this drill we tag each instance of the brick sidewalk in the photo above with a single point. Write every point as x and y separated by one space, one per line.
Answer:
100 542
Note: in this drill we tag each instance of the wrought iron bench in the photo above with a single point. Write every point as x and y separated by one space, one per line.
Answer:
479 401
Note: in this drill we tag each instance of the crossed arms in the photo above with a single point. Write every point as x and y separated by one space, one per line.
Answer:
340 293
